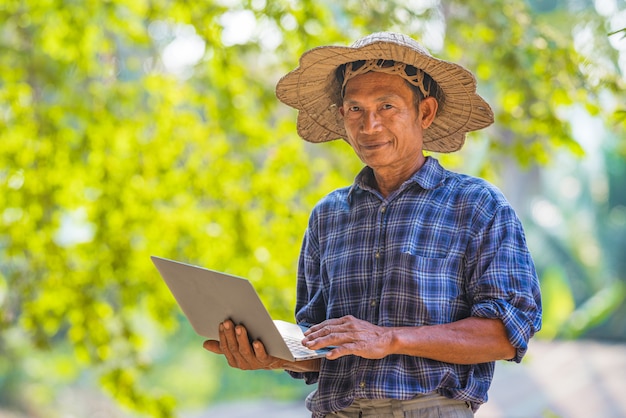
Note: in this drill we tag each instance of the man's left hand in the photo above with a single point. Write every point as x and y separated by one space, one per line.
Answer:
350 335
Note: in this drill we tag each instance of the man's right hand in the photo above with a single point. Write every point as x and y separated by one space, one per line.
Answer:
235 345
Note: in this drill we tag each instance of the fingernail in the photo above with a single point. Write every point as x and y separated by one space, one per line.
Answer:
226 325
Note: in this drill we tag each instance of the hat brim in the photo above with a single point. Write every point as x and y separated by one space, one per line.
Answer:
313 89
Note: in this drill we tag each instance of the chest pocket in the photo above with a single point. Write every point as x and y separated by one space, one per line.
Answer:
428 240
423 291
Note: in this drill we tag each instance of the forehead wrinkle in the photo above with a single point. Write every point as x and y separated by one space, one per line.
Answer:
356 98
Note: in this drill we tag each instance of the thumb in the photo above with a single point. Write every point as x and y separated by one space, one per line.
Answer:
212 346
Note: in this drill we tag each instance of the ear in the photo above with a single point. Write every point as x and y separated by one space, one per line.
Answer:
427 111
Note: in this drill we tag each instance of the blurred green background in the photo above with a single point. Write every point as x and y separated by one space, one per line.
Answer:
132 128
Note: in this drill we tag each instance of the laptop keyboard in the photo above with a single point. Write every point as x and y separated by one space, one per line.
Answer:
296 347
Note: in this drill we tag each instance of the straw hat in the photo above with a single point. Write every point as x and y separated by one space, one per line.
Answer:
313 89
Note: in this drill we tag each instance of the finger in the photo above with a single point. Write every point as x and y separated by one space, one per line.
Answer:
336 337
268 362
337 352
212 346
315 328
329 334
264 359
245 355
259 352
230 337
225 347
239 347
318 327
332 326
312 329
319 341
243 341
319 331
328 322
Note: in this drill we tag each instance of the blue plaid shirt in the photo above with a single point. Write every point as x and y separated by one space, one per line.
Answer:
441 248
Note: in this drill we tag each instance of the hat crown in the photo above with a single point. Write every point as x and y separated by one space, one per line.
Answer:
391 37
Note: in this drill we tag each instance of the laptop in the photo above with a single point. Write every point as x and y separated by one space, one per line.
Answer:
209 297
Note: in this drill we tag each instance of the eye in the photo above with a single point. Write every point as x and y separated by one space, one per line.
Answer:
354 109
387 106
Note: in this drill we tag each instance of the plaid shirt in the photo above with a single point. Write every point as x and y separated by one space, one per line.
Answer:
441 248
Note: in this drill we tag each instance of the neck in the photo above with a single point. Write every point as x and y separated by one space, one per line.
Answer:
389 179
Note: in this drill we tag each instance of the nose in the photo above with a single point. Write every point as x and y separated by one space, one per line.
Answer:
370 122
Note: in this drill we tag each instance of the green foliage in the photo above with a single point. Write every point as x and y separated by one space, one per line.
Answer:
530 73
562 318
595 310
111 153
557 300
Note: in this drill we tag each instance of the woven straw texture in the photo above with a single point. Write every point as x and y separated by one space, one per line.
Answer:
313 90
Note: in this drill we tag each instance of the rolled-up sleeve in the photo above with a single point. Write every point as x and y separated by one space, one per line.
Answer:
503 282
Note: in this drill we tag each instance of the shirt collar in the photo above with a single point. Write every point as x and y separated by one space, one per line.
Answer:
429 177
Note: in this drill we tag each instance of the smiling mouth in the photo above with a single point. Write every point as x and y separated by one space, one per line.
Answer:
374 146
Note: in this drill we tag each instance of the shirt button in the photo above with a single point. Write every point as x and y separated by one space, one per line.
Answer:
383 209
362 385
373 302
377 255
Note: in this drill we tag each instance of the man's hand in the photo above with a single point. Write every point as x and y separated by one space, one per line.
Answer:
349 335
467 341
235 346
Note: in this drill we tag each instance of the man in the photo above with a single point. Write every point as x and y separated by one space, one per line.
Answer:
419 277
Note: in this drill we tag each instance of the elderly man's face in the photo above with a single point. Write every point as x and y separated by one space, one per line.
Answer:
382 122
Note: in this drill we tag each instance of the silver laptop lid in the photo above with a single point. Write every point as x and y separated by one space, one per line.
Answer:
209 297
